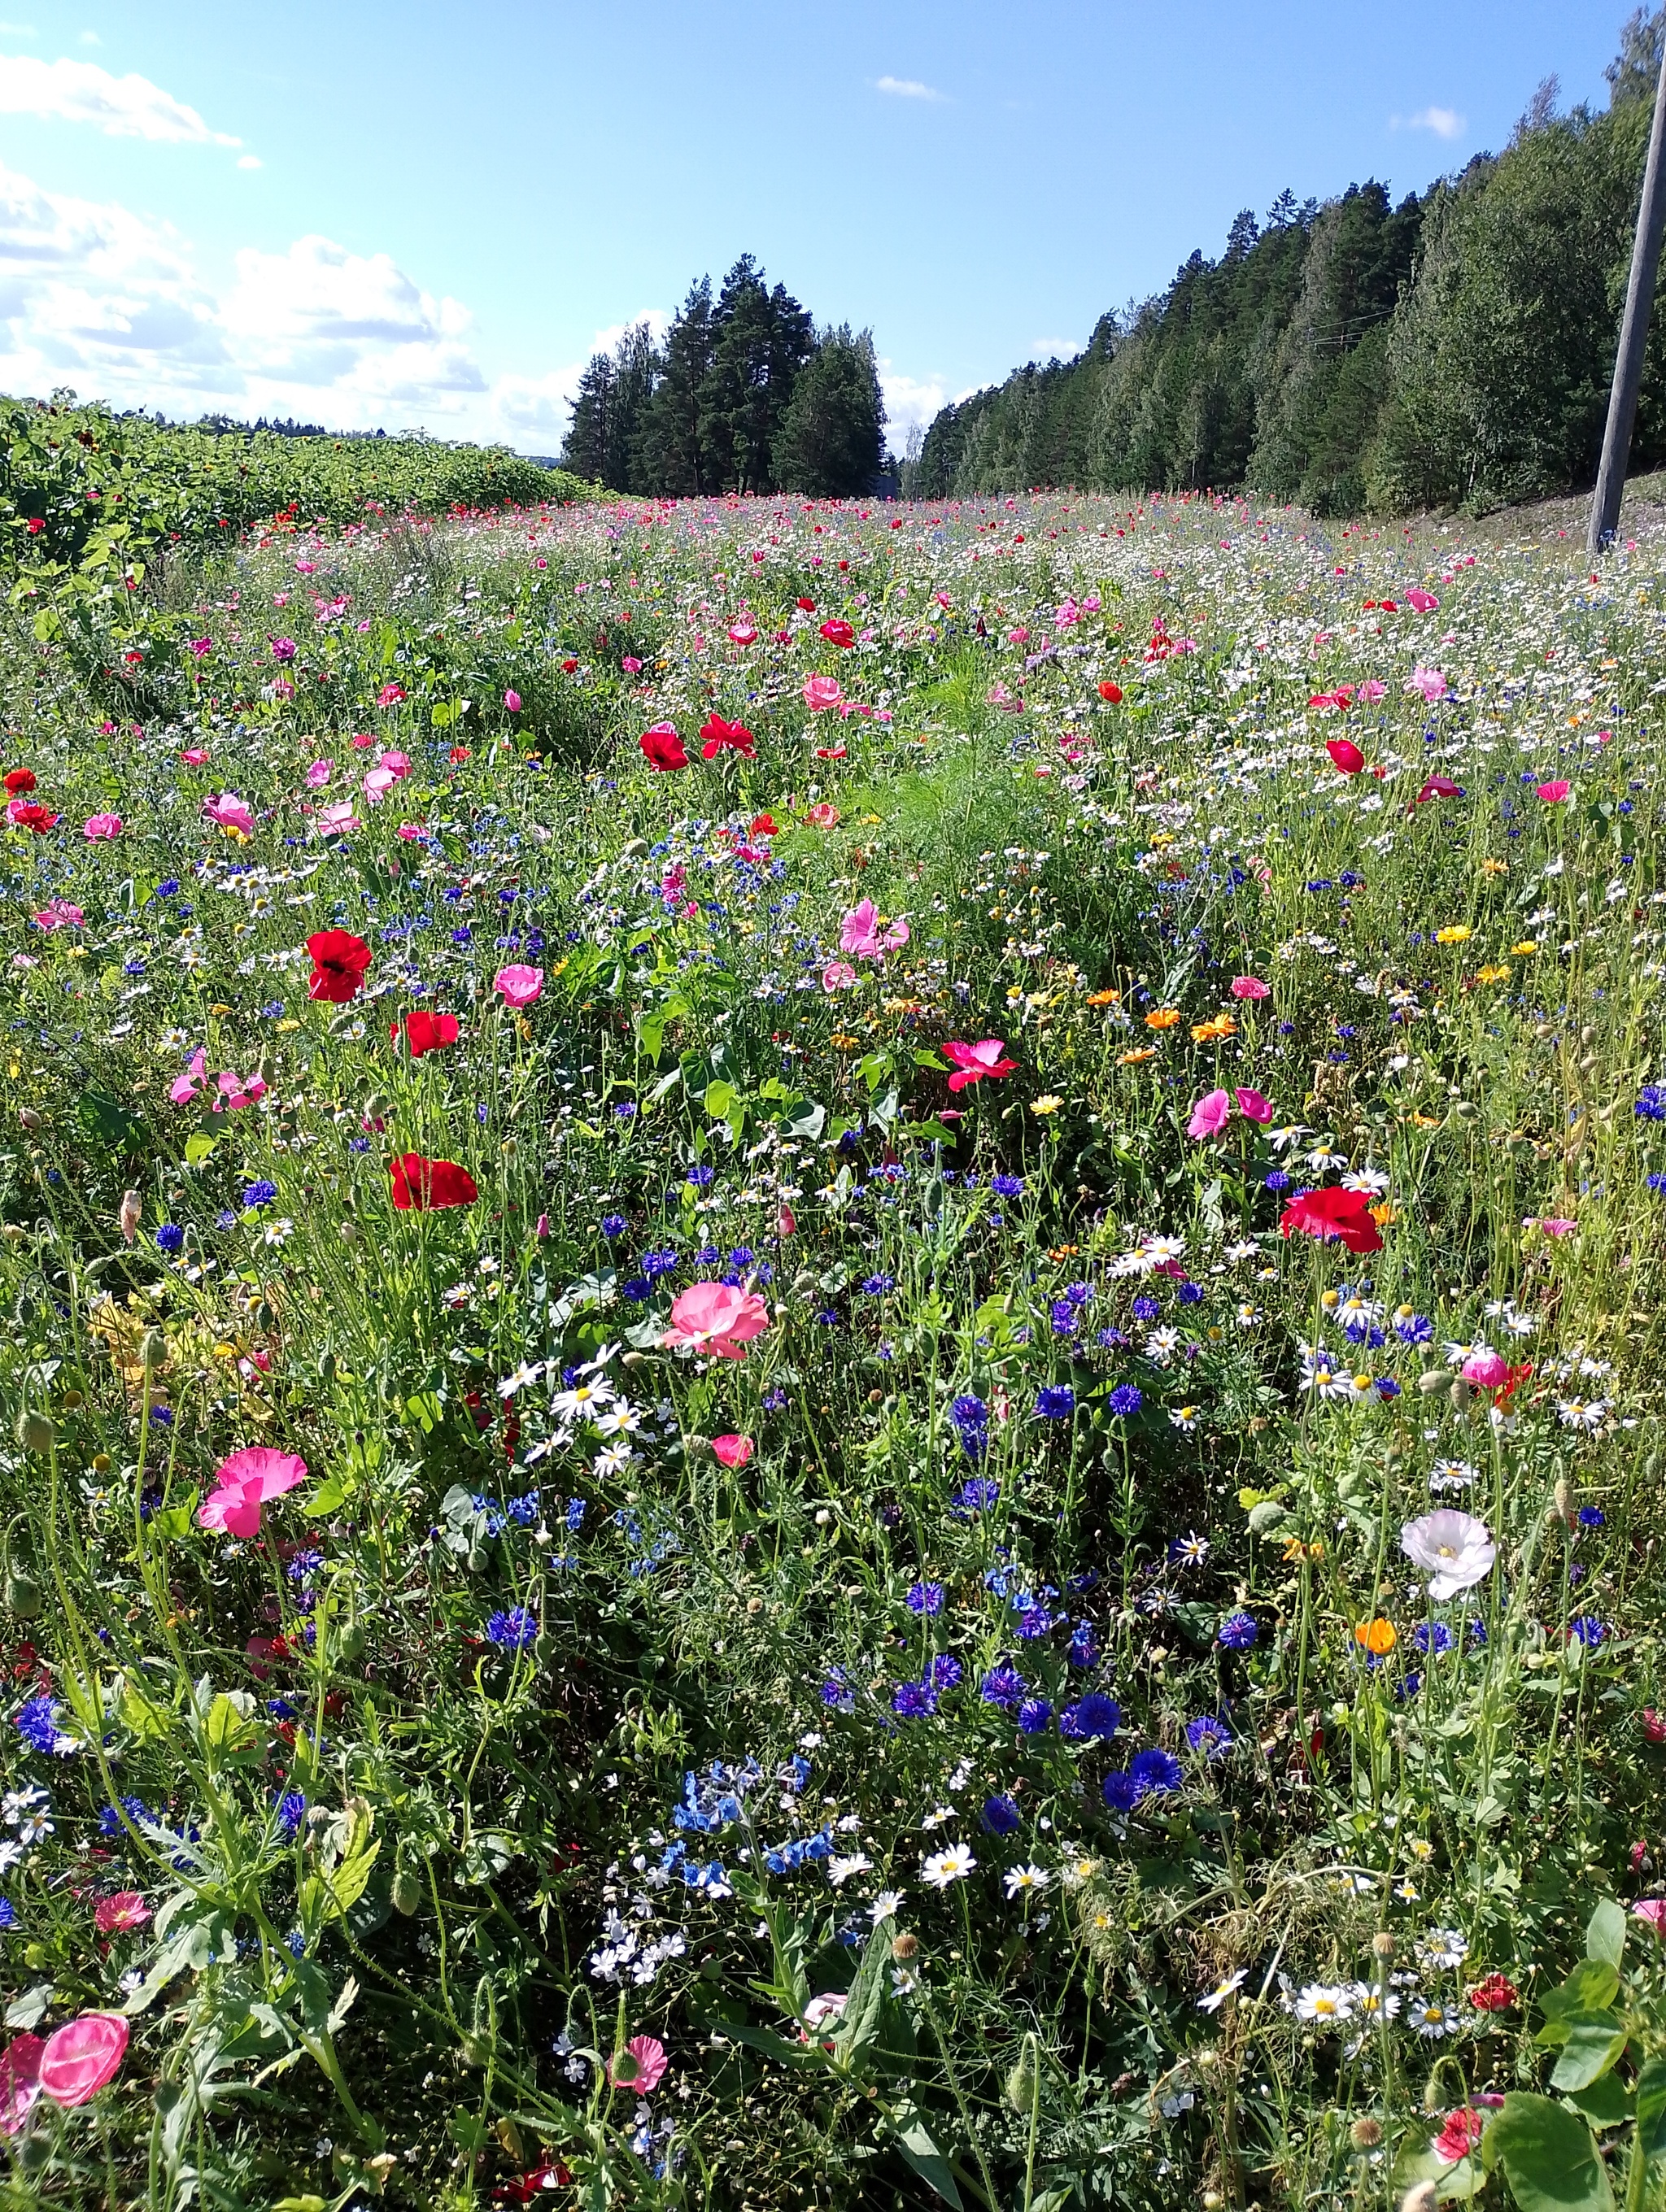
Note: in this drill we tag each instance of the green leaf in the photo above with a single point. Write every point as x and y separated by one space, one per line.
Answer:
228 1729
1651 2110
1590 1987
1603 2102
915 2142
860 2021
347 1882
331 1494
197 1149
30 2009
1605 1938
1548 2154
1595 2040
106 1121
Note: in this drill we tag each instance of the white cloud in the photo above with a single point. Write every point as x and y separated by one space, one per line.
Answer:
120 106
89 39
250 162
908 87
114 305
1445 122
909 400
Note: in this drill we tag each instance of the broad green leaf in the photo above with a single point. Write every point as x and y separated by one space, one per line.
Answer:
197 1149
331 1494
347 1882
860 2020
915 2142
1603 2102
1605 1938
229 1730
1651 2110
106 1121
1548 2155
1594 2042
1592 1985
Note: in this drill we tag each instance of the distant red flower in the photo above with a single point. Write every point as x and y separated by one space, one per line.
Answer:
662 748
339 961
764 825
806 606
19 780
718 736
1111 693
37 524
570 668
1344 1214
1496 1994
839 632
114 1915
1438 786
1460 2135
426 1032
420 1184
1347 755
28 814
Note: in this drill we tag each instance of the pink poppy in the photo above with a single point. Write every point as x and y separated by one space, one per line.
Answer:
715 1317
83 2057
1430 682
194 756
787 1222
839 975
1553 1225
230 813
1253 1106
1424 602
1462 2132
319 774
972 1063
378 783
101 825
732 1451
512 702
390 695
246 1480
20 2080
1251 986
860 935
115 1915
1553 793
1210 1115
631 665
1371 690
640 2066
1486 1369
1651 1911
742 633
821 692
59 914
337 819
521 986
396 764
822 816
410 831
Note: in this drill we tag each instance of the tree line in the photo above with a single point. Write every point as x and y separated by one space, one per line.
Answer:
745 394
1452 349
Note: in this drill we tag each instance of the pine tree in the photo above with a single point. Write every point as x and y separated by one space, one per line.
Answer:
762 341
585 450
830 444
673 453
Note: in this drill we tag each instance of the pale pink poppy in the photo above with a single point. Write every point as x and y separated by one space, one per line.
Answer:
717 1318
742 633
228 811
1370 690
99 826
411 831
396 764
859 933
838 976
83 2057
390 695
1253 1105
319 774
20 2080
59 914
246 1480
518 985
640 2066
732 1451
821 692
787 1222
1251 986
337 818
1552 793
823 816
1651 1911
1210 1115
115 1915
378 783
1431 682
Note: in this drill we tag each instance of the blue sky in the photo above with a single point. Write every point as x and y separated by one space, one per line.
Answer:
367 214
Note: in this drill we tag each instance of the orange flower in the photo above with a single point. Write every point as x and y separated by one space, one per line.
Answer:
1223 1026
1134 1059
1105 997
1163 1018
1295 1551
1376 1636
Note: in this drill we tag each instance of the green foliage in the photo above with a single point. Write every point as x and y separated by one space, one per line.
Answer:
830 443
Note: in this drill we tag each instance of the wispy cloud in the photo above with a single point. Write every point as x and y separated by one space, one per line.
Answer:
908 88
120 106
18 31
89 39
1445 122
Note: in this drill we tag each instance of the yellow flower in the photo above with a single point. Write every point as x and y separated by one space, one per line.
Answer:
1527 946
1163 1018
1490 867
1134 1059
1223 1026
1049 1104
1491 974
1456 932
1377 1637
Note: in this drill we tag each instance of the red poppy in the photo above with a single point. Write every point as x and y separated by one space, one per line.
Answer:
1334 1213
839 632
19 780
426 1032
420 1183
1438 786
569 667
37 524
1496 1994
765 825
718 736
1347 755
663 748
806 606
1111 693
339 960
29 815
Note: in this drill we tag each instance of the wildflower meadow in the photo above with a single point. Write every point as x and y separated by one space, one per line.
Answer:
832 1360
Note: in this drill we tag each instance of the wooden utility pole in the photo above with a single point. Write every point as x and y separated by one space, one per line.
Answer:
1633 334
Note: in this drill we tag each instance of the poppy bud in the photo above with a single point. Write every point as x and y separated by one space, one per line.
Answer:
36 1432
30 1119
348 1231
1433 1380
1461 1392
1021 2079
22 1592
1382 1945
152 1350
127 1221
1562 1510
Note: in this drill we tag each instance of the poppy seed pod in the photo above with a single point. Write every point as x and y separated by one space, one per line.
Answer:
36 1432
1365 2134
152 1350
30 1119
22 1592
905 1946
1433 1380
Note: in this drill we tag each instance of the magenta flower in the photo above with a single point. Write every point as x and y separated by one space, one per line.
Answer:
518 985
640 2066
1553 793
319 774
1251 986
283 649
20 2080
716 1318
972 1063
101 825
1430 682
1210 1115
231 814
512 702
246 1480
1486 1370
1253 1106
732 1451
83 2057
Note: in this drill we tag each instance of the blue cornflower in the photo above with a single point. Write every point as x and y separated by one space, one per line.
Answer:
636 1290
1592 1516
1083 1650
1035 1714
1276 1179
655 1264
1055 1402
946 1671
170 1237
304 1563
877 1285
1414 1329
912 1699
1001 1815
836 1694
291 1809
110 1820
1587 1631
1067 1318
1091 1718
925 1597
575 1509
8 1913
280 1708
1650 1103
1121 1792
511 1631
37 1723
258 1195
613 1225
1156 1772
1005 1186
1208 1735
1125 1399
1146 1309
975 1495
1003 1686
971 1416
1432 1636
1189 1294
742 1256
1080 1294
700 1175
1656 1182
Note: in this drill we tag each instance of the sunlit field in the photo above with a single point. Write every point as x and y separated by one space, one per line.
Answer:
831 1363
